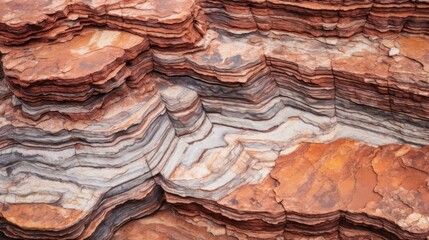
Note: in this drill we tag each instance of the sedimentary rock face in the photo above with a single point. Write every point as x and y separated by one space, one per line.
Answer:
214 119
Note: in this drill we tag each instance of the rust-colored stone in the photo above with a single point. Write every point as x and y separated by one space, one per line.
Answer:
245 119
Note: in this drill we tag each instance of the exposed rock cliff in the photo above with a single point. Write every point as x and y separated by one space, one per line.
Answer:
238 119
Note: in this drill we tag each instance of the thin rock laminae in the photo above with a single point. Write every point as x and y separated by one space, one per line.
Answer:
233 119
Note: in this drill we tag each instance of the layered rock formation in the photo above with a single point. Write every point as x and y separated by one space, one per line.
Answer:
166 23
242 119
328 18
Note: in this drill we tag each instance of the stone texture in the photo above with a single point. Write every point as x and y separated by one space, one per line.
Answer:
165 23
167 224
214 119
327 18
326 189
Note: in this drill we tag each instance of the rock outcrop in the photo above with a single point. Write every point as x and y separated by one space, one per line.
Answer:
327 18
230 119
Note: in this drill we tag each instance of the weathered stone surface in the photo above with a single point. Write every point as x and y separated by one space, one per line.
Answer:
89 64
227 114
165 23
319 187
309 74
167 224
329 18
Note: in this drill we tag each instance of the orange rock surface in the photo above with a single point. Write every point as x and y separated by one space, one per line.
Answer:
329 189
213 119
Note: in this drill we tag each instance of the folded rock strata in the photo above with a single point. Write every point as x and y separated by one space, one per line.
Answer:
329 18
319 187
165 23
167 224
110 110
258 76
87 69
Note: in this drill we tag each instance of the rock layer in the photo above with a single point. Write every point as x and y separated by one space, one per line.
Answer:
326 189
166 23
328 18
110 110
